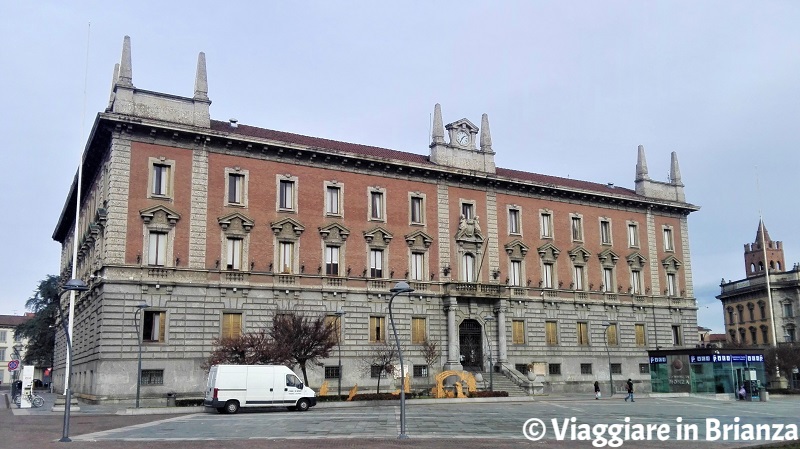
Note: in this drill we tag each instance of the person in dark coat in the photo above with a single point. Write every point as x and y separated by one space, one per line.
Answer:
629 386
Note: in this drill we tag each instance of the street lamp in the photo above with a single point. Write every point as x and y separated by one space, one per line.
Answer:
489 319
139 308
339 314
606 325
400 287
72 286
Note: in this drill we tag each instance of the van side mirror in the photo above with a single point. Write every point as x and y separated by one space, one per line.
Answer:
300 386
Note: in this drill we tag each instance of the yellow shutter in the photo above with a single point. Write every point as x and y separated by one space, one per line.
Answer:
640 335
231 325
611 333
417 330
552 333
162 327
518 332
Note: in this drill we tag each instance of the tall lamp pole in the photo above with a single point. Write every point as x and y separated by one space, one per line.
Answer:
489 319
339 314
72 286
606 325
139 308
400 287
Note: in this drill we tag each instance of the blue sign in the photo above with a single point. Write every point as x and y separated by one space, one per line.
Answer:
658 360
721 358
700 359
727 358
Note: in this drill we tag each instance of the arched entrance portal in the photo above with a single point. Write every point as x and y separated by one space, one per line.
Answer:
470 340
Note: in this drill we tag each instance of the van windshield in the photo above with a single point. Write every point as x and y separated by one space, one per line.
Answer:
292 381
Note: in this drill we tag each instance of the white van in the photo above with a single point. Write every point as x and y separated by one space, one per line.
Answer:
233 386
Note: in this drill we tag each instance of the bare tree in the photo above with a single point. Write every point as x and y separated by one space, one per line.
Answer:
255 348
383 356
430 352
306 339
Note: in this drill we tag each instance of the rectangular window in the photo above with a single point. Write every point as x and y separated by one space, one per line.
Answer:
636 282
376 205
335 322
515 275
332 261
787 310
231 325
161 175
633 235
332 372
376 371
764 335
547 275
467 211
376 263
583 333
546 224
513 221
605 232
418 331
420 370
616 368
417 210
551 333
521 367
234 256
286 257
152 377
671 284
586 368
641 341
377 329
578 275
608 279
644 368
577 229
3 336
235 189
669 245
286 195
761 308
611 335
676 335
468 268
518 332
154 326
157 249
2 354
554 369
332 200
417 266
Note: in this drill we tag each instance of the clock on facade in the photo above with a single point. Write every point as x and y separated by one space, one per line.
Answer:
462 138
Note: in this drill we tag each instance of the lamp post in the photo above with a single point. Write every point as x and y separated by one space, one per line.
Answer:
139 308
489 319
606 325
72 286
339 314
400 287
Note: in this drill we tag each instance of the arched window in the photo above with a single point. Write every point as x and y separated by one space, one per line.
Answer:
771 264
779 266
752 267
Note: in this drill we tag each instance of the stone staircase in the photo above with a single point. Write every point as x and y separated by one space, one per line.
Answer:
501 383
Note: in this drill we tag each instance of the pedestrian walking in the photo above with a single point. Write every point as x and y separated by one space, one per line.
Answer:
629 386
596 390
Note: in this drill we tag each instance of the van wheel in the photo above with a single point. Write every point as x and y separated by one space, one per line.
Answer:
231 407
303 405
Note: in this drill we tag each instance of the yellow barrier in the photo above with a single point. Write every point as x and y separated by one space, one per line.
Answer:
438 390
353 392
323 389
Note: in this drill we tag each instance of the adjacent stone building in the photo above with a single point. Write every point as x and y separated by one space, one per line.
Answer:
218 226
11 348
754 315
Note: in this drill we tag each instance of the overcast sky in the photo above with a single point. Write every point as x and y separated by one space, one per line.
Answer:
571 89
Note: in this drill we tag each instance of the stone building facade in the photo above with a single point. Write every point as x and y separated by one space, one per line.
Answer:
218 225
752 316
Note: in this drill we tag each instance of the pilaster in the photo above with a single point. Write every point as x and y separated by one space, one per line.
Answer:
652 252
118 191
199 209
443 216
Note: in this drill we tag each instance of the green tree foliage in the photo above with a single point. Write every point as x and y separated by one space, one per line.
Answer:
786 357
40 331
306 339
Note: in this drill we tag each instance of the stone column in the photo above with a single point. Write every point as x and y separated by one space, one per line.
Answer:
453 361
500 312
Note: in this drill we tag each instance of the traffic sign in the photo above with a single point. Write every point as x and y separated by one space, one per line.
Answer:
13 365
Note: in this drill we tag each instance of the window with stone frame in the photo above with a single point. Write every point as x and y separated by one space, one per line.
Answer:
236 181
633 234
516 251
548 253
154 326
669 242
641 334
416 206
586 368
377 240
764 334
576 226
377 204
612 334
608 263
420 370
518 332
579 257
418 243
333 237
551 333
287 193
677 336
753 335
287 232
467 209
751 309
161 179
235 234
605 231
762 310
582 332
333 199
671 267
231 324
546 223
158 228
514 220
419 331
554 369
636 264
377 329
468 268
730 315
